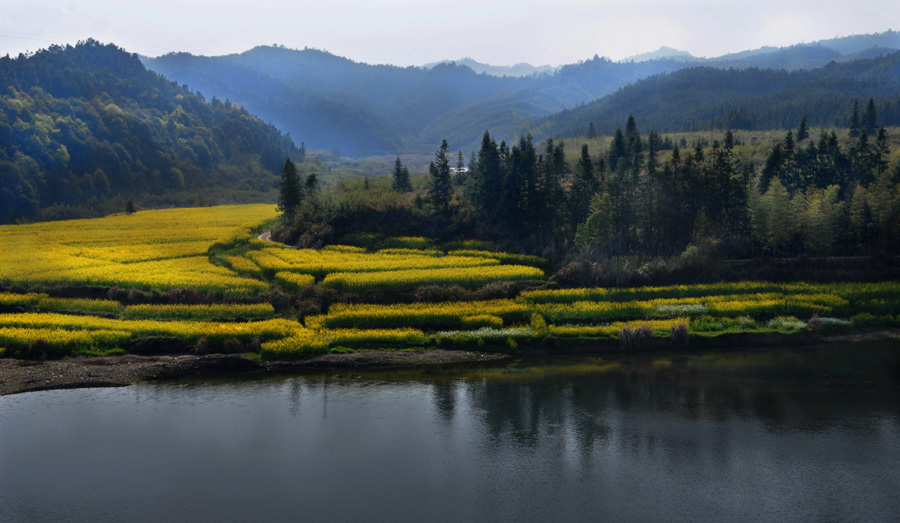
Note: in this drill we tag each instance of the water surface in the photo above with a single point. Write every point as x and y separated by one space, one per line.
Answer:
772 435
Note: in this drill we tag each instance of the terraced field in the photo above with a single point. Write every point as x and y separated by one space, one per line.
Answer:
173 255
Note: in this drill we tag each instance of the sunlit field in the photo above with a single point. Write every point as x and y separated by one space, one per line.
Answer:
256 291
162 249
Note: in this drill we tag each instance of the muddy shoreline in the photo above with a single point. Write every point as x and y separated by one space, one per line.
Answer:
17 376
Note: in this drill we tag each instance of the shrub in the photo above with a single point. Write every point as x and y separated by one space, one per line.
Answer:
815 323
679 336
635 339
786 323
539 325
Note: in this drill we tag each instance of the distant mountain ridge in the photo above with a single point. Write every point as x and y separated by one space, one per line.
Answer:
521 69
703 98
335 103
662 52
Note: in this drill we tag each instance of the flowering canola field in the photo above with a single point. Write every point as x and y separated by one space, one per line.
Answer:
170 249
162 249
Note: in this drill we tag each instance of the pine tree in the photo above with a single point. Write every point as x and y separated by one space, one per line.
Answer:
653 144
617 150
312 183
591 132
854 120
634 147
881 150
869 118
441 185
485 182
584 186
401 181
460 168
803 129
291 192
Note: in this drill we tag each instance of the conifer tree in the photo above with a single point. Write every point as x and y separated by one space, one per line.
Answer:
312 183
854 120
803 129
584 186
401 181
617 150
460 168
441 184
485 182
291 191
869 118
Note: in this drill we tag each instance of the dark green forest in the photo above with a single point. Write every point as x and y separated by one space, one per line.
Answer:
83 127
707 98
647 201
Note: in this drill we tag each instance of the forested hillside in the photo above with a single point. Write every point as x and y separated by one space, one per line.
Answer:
82 125
703 98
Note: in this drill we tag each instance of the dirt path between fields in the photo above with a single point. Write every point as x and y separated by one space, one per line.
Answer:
266 236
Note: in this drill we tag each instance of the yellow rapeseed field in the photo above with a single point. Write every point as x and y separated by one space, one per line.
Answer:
161 249
324 262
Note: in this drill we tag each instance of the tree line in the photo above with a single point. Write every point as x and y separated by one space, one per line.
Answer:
812 195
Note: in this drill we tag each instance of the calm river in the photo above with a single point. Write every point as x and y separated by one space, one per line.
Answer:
809 434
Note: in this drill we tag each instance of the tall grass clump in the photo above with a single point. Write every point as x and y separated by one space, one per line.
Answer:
631 339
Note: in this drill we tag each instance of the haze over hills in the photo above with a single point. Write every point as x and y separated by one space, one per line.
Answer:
662 52
702 98
522 69
334 103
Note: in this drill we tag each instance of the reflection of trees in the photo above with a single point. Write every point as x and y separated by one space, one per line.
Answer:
526 409
520 410
445 399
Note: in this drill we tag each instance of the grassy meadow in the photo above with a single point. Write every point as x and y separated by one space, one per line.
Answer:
197 280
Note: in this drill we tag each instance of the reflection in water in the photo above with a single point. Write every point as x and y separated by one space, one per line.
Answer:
786 435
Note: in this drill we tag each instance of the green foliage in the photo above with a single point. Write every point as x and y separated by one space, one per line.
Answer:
81 125
401 177
291 191
712 98
441 189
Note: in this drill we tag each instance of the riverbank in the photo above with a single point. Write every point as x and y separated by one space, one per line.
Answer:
17 376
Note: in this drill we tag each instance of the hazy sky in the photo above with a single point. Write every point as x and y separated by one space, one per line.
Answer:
415 32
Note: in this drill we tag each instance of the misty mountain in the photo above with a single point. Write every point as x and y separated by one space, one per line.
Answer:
701 98
329 102
522 69
793 58
849 45
334 103
662 52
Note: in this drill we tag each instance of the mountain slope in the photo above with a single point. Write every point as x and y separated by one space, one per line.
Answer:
705 97
330 102
89 123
